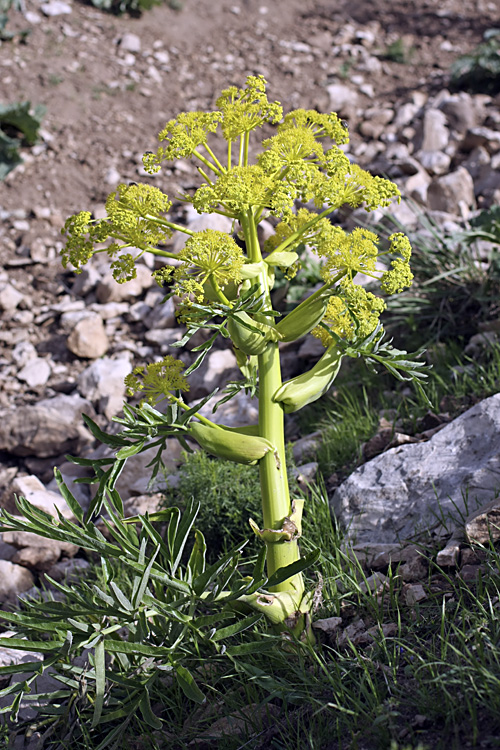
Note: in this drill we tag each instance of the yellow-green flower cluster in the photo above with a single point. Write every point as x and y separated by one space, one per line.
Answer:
319 234
207 257
245 109
242 188
320 125
349 253
158 380
183 135
399 276
132 213
351 312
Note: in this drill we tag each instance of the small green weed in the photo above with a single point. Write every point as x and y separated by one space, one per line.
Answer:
19 123
479 71
399 52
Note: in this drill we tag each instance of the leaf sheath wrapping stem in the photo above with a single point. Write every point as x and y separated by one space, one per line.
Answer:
311 385
228 444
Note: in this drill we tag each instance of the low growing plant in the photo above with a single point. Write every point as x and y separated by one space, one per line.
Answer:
479 70
224 287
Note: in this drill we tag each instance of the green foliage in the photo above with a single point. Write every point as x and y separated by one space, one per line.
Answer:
134 7
129 640
457 282
479 70
17 125
228 493
399 52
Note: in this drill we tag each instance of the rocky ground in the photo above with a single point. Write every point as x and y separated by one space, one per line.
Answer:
109 84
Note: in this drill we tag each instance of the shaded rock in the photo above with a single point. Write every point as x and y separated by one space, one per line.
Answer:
88 338
484 524
482 136
462 111
307 447
103 383
435 134
435 162
14 579
240 410
48 428
414 593
108 290
219 366
329 625
36 558
25 539
453 193
68 571
406 489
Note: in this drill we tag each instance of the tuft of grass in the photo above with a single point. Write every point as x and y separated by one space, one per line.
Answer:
479 71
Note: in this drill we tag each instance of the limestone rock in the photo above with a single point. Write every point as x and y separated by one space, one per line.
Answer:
343 98
9 297
453 193
14 579
406 489
435 132
103 383
25 539
48 428
35 373
88 338
108 290
484 523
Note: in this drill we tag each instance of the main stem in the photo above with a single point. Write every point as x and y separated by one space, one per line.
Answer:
276 505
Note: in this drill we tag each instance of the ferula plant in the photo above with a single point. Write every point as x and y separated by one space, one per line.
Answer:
223 282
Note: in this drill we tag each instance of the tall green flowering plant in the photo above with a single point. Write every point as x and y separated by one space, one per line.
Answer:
225 286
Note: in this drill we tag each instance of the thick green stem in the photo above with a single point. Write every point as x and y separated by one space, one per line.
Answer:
276 505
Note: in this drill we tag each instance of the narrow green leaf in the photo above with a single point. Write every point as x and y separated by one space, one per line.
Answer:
120 597
188 685
255 647
24 645
100 681
283 574
72 502
129 450
147 713
237 627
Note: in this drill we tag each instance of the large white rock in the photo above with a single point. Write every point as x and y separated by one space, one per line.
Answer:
409 488
103 383
38 495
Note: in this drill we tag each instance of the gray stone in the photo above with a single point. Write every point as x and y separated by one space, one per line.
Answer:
162 314
130 43
48 428
86 281
435 133
409 488
14 579
240 410
462 111
343 98
482 136
103 383
55 8
35 373
108 290
9 298
435 162
453 193
484 524
218 366
26 540
88 338
10 656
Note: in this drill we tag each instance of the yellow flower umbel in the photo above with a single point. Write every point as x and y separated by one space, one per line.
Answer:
157 381
207 257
